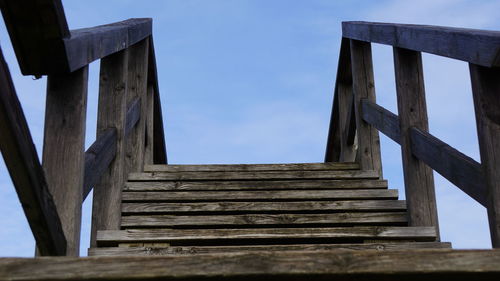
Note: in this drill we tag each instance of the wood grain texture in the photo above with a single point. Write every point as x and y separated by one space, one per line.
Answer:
195 250
149 137
364 88
263 207
253 185
111 114
302 195
485 88
28 177
252 220
458 168
251 167
260 175
471 45
190 236
382 119
63 149
412 108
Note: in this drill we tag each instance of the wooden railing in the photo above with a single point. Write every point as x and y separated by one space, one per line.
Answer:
356 118
129 126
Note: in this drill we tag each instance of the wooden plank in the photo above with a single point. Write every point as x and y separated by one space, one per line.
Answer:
339 265
159 146
27 175
98 157
137 90
263 207
382 119
185 236
148 143
350 120
455 166
111 114
63 149
196 250
258 175
268 220
480 47
418 178
36 28
133 115
364 88
251 167
260 195
485 88
254 185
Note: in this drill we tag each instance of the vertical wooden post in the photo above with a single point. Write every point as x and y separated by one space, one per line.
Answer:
112 108
64 151
418 177
486 92
148 150
364 88
137 89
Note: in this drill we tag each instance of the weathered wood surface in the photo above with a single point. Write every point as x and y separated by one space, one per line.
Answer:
486 89
259 175
186 236
98 157
382 119
111 114
261 207
63 149
22 161
36 28
261 195
288 265
251 220
251 167
137 90
150 115
195 250
349 119
254 185
458 168
133 115
364 88
480 47
412 108
159 147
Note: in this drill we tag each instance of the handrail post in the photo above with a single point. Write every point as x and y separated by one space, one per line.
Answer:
63 149
112 108
486 93
137 89
418 177
368 154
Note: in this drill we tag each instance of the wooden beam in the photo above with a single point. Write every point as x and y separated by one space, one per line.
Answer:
418 178
111 114
453 165
252 167
486 89
364 88
133 116
382 119
346 109
64 151
479 47
21 159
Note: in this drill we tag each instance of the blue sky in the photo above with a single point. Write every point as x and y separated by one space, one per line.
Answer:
251 81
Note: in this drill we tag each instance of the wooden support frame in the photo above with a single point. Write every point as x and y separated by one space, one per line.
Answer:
412 108
26 172
486 90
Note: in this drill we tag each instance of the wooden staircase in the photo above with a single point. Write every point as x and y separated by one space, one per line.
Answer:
190 209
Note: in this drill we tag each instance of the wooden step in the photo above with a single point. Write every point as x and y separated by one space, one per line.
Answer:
253 175
260 207
340 265
297 220
301 195
251 167
193 250
253 185
264 235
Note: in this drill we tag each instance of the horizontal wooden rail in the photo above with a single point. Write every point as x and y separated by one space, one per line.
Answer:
471 45
25 170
